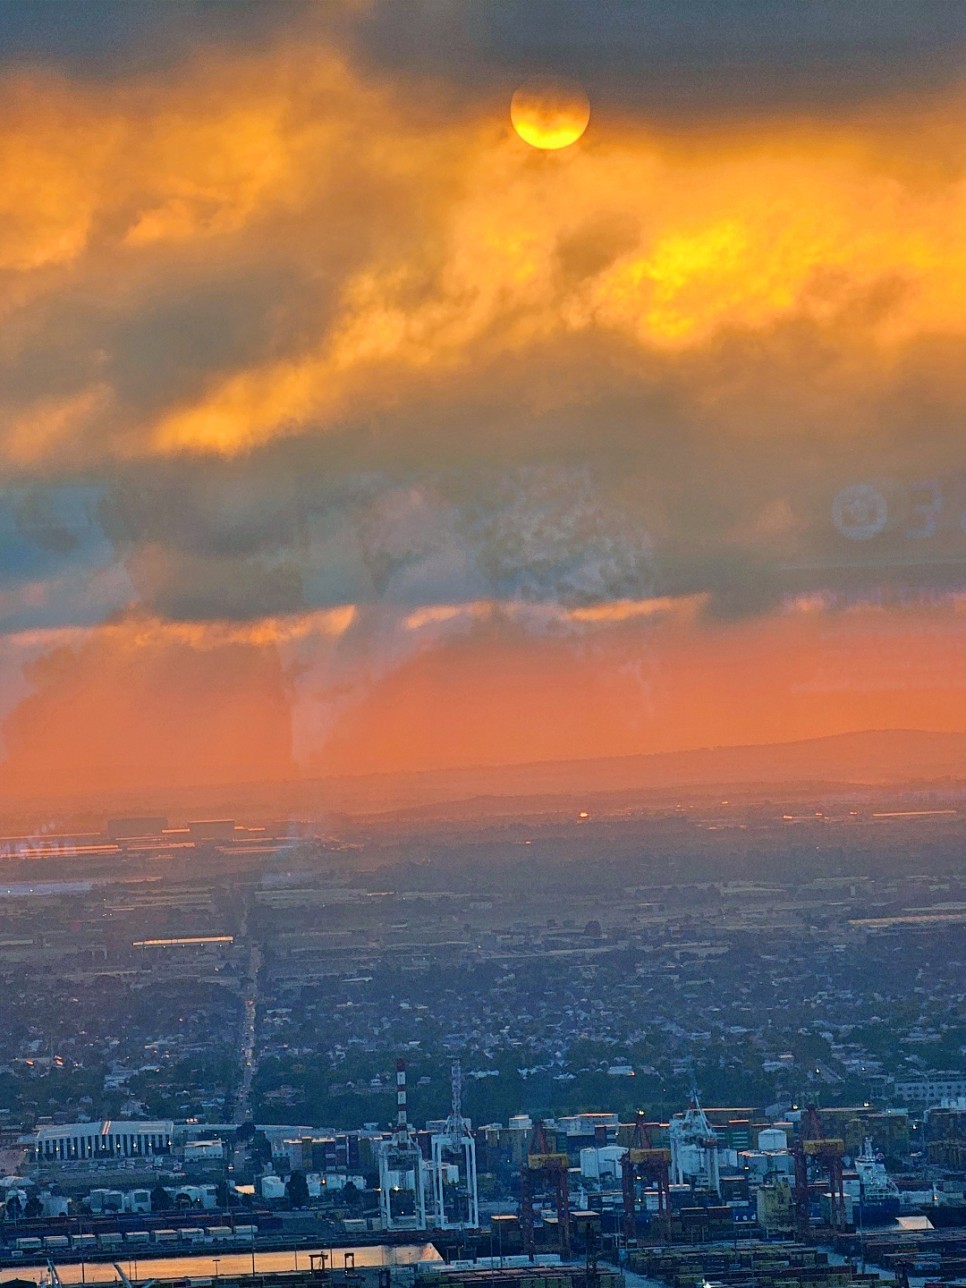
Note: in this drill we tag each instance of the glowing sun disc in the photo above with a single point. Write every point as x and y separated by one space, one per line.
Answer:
549 114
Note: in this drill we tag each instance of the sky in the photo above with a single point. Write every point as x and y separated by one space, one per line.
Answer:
342 431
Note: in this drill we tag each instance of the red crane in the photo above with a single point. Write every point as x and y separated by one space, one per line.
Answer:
542 1160
825 1152
651 1165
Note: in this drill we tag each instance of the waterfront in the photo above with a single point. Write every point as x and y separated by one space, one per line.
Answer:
231 1265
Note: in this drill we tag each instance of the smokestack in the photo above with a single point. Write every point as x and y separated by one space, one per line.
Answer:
401 1121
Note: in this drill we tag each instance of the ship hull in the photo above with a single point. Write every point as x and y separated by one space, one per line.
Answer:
877 1211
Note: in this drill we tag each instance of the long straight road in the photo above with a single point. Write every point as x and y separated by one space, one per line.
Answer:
246 1051
246 1036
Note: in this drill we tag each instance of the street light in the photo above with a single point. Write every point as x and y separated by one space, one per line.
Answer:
80 1230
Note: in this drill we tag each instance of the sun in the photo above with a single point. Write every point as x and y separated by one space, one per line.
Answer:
549 114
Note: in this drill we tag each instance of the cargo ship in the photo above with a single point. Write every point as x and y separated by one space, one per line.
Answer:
877 1201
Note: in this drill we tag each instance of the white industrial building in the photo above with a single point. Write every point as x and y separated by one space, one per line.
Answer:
931 1088
105 1141
272 1187
601 1161
204 1151
103 1201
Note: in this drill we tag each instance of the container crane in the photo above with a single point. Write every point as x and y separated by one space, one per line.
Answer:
55 1278
456 1207
825 1153
553 1166
653 1166
694 1148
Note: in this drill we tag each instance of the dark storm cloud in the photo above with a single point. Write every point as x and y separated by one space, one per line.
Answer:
624 494
167 334
120 37
57 564
657 56
667 58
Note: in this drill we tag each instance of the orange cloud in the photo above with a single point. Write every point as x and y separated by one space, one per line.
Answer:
129 710
439 244
739 234
144 705
484 698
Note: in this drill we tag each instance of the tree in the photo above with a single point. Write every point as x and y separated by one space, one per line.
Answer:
160 1198
297 1189
351 1194
261 1149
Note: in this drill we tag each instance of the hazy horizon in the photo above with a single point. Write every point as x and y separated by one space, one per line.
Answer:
877 761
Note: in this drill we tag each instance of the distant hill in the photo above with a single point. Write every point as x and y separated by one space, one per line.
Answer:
872 758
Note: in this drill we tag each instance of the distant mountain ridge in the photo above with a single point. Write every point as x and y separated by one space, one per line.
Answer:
872 758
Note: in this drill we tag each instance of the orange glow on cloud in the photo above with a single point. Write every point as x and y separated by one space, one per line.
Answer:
122 711
148 633
485 700
659 242
740 237
146 704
